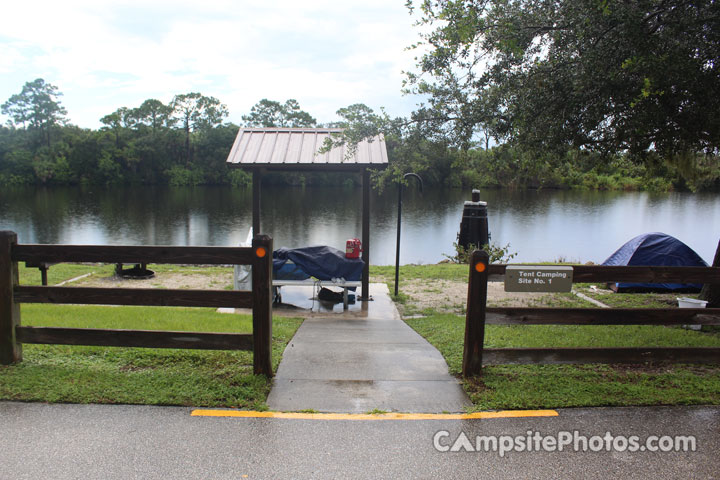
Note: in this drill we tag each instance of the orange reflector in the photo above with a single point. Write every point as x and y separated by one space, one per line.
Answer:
260 252
480 267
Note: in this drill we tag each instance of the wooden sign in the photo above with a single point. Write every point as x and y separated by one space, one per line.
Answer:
538 278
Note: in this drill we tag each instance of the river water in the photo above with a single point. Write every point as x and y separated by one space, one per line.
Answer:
541 225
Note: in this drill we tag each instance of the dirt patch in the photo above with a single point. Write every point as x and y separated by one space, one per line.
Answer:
173 280
448 296
422 296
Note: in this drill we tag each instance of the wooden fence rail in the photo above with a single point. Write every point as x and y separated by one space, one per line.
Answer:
479 315
605 274
12 294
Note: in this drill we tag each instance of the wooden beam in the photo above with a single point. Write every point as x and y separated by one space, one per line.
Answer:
366 234
131 254
604 274
522 356
10 348
597 316
134 296
599 273
262 245
311 167
475 317
135 338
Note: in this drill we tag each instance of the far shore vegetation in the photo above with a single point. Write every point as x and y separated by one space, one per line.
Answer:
186 143
603 96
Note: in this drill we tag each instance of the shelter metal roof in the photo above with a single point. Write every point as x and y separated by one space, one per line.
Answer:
276 147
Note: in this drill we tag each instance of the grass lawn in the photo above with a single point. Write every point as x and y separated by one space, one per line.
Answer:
554 386
61 272
75 374
636 300
66 271
440 271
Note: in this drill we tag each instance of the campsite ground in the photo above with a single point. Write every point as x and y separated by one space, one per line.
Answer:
431 300
440 288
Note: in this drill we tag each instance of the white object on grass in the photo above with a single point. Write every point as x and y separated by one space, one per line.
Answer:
686 302
242 275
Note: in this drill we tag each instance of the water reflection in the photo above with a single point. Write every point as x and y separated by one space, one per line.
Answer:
539 225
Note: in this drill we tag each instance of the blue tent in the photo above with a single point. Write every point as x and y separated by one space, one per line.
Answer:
655 249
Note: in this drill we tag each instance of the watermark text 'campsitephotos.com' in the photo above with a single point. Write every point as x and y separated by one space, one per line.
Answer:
574 441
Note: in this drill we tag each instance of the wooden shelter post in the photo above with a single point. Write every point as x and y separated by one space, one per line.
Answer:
256 182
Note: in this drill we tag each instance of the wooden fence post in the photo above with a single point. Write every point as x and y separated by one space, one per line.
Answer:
711 291
262 246
475 318
10 349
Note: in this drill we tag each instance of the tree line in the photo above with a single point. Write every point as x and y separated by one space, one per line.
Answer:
627 101
186 142
561 83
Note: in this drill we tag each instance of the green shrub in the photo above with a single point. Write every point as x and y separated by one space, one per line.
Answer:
496 253
184 177
239 178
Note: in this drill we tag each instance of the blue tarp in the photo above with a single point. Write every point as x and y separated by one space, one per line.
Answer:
656 249
322 262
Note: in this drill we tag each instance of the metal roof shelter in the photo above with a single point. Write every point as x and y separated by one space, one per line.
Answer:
296 149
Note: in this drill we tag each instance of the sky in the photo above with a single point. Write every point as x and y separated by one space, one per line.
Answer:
326 54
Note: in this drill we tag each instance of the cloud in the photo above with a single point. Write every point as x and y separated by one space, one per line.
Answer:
325 54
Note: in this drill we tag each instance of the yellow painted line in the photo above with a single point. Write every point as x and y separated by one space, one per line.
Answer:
381 416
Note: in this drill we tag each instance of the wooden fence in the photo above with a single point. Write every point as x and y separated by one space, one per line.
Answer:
13 334
479 315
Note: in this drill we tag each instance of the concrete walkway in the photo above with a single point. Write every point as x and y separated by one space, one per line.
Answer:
361 361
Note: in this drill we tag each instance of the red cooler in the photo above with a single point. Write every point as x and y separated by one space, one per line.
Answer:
353 247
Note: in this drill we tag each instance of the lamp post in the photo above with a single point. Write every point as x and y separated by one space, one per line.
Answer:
399 217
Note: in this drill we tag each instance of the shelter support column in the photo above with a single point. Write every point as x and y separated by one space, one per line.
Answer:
256 182
366 234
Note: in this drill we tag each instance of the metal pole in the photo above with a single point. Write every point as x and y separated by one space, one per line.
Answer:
365 235
399 218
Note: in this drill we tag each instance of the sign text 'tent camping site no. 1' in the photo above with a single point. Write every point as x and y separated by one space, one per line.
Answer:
538 278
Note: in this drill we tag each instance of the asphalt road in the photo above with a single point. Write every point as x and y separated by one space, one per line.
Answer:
39 441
